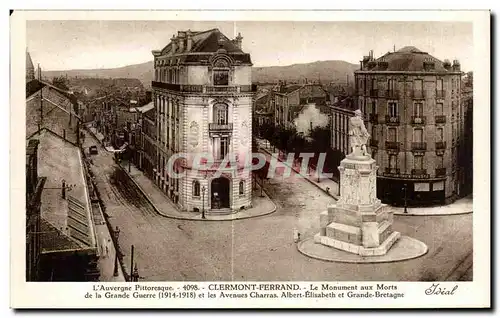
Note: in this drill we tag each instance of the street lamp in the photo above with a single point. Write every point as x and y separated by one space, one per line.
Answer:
117 234
203 202
405 188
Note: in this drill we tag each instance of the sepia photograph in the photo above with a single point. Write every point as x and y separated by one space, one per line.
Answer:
209 150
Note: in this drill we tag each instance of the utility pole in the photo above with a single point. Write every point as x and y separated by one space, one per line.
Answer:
41 98
131 261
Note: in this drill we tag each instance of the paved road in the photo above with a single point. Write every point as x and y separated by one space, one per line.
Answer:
262 248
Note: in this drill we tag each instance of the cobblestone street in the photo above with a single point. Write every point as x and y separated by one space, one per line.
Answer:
262 248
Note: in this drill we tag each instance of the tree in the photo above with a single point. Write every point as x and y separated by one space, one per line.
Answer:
61 82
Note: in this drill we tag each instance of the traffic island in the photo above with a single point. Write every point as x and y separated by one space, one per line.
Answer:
405 248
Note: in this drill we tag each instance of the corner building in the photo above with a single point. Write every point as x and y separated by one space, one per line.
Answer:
412 108
203 95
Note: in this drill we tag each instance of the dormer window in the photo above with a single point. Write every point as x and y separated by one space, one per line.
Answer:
221 77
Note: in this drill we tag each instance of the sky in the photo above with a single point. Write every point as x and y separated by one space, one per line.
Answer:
64 45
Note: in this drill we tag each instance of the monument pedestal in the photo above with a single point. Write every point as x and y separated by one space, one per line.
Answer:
358 223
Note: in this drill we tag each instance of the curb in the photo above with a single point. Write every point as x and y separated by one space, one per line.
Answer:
363 262
310 181
193 219
433 214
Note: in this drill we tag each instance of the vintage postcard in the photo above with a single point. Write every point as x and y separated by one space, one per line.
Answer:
243 159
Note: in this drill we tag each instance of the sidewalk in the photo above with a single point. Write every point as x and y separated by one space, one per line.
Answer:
165 207
324 183
99 137
107 261
462 206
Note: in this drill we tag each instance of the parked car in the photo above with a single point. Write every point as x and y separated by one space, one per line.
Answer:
93 150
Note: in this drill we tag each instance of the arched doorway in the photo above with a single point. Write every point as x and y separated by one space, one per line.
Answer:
220 193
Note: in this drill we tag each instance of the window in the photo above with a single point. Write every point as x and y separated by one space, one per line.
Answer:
392 161
419 162
242 187
374 107
418 85
418 135
418 109
220 114
439 85
393 109
221 77
374 132
196 188
374 83
392 134
439 134
224 147
391 85
440 162
439 109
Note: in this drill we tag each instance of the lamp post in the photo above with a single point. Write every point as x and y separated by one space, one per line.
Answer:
405 188
117 234
203 202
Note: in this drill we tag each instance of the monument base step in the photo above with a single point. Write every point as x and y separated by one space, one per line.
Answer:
358 249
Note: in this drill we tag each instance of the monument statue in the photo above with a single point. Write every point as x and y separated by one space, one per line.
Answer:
358 135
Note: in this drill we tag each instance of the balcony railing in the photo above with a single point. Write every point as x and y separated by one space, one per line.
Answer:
391 170
418 94
204 88
392 94
440 119
392 145
374 118
418 172
440 144
215 127
418 145
440 94
440 172
418 120
373 92
373 142
392 120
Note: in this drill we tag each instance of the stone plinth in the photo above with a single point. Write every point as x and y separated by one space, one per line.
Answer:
358 223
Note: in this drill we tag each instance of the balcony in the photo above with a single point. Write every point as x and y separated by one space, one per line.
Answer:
205 89
440 119
374 93
392 94
373 143
392 120
422 146
392 145
440 94
391 171
418 94
220 128
374 118
418 172
440 172
441 145
418 120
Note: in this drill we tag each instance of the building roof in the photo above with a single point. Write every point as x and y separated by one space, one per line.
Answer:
144 108
150 114
209 41
29 62
67 222
406 59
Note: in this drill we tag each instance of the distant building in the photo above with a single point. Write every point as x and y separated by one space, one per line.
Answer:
412 107
203 94
289 100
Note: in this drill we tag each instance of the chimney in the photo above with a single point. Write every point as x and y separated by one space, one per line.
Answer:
189 41
174 44
181 36
238 40
456 66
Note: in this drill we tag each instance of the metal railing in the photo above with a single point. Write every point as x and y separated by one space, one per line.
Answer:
418 120
440 172
220 127
392 120
440 144
391 94
418 145
392 145
440 119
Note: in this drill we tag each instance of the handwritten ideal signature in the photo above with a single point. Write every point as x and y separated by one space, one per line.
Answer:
435 289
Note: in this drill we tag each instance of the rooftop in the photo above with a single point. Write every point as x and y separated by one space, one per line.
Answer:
67 222
408 59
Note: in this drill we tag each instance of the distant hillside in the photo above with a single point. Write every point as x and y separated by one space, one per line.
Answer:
143 72
326 70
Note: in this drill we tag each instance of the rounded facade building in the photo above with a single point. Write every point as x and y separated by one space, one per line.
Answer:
203 96
412 109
